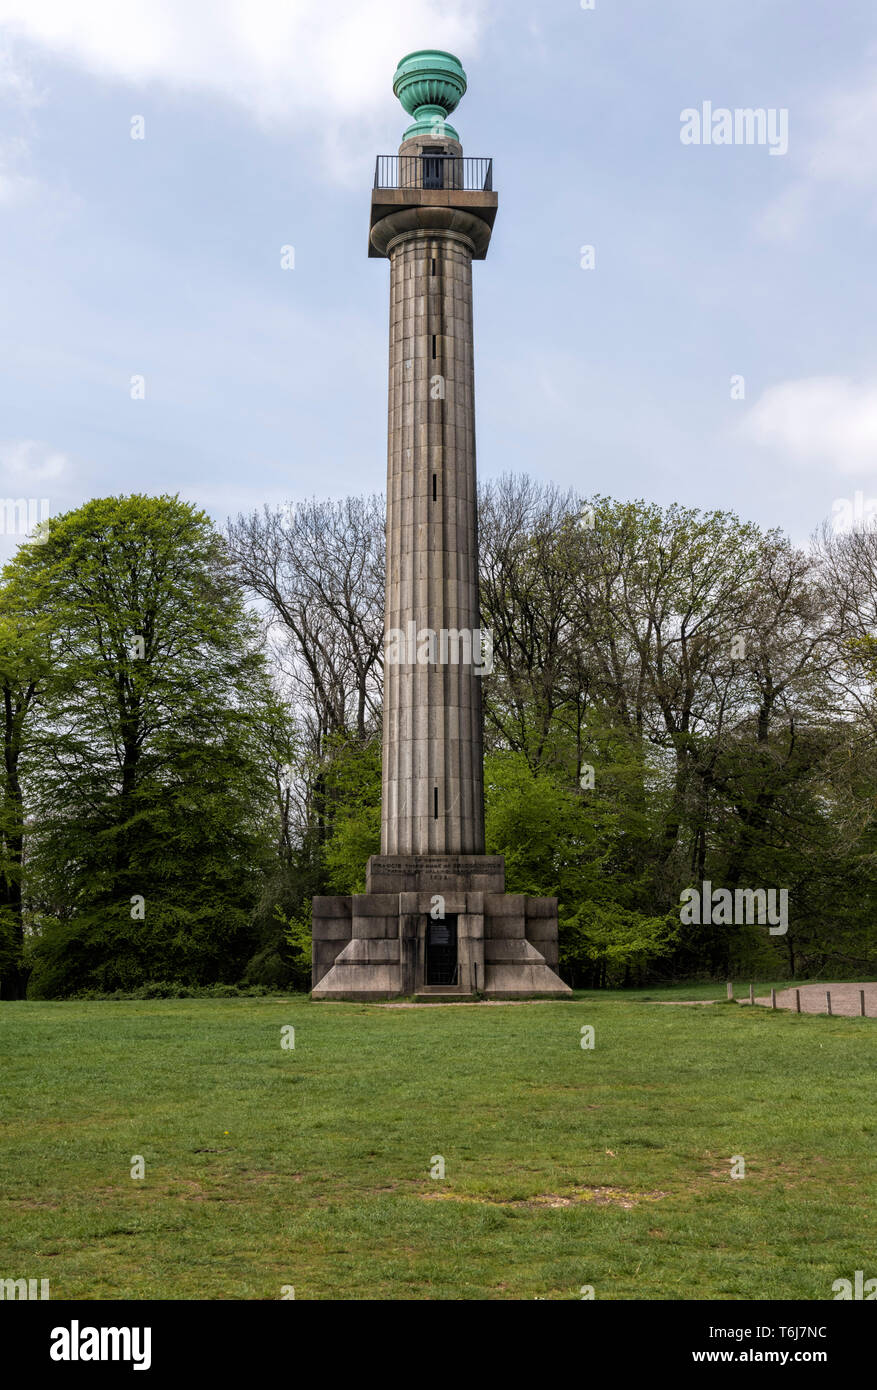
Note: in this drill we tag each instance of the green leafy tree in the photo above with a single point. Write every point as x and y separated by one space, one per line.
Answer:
24 671
563 841
353 788
151 798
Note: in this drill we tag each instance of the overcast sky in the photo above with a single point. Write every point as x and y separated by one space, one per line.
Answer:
161 257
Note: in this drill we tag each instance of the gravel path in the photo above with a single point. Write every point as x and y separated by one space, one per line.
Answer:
844 999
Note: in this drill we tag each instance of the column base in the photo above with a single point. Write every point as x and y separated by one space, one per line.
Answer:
381 945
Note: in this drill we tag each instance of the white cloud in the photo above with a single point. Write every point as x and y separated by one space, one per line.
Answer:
846 153
18 96
30 461
840 153
822 422
16 83
291 62
14 184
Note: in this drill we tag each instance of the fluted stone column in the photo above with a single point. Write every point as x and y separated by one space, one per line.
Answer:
432 800
435 917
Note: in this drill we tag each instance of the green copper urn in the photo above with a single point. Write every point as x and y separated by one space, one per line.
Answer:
429 83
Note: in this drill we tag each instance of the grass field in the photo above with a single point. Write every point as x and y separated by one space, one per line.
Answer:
310 1167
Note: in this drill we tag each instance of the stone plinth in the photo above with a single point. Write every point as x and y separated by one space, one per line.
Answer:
374 945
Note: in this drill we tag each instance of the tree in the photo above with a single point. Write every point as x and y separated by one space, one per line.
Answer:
24 671
527 596
559 841
148 785
711 681
318 570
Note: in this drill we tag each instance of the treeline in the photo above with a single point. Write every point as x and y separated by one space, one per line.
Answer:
191 726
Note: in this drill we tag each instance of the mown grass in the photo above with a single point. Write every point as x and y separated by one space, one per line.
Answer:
310 1167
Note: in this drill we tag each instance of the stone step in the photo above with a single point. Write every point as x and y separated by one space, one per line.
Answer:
438 996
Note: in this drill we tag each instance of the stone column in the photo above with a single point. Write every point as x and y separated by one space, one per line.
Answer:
432 799
432 213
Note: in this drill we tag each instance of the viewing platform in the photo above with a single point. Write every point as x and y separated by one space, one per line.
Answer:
432 190
470 173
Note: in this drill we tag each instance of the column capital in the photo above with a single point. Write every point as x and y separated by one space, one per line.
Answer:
398 210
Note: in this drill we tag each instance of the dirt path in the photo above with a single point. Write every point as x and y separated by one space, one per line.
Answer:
845 999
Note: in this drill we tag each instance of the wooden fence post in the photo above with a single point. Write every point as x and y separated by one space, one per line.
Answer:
773 999
752 994
862 1002
828 1000
797 1001
730 990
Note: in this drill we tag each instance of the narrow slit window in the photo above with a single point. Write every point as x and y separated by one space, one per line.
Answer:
433 346
433 265
434 489
435 803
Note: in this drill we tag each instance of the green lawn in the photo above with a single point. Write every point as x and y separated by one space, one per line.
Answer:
564 1167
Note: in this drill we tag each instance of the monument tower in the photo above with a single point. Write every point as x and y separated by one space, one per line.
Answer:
435 919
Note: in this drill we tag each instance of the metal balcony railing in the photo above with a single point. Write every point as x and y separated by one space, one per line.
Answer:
469 174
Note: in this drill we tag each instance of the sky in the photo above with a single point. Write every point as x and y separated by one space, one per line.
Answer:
720 351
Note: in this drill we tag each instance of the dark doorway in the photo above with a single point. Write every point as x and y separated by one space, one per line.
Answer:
433 171
441 951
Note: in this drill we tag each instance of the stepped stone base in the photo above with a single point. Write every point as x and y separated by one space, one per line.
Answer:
373 945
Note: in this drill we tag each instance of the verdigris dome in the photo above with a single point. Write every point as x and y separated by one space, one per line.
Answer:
429 83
